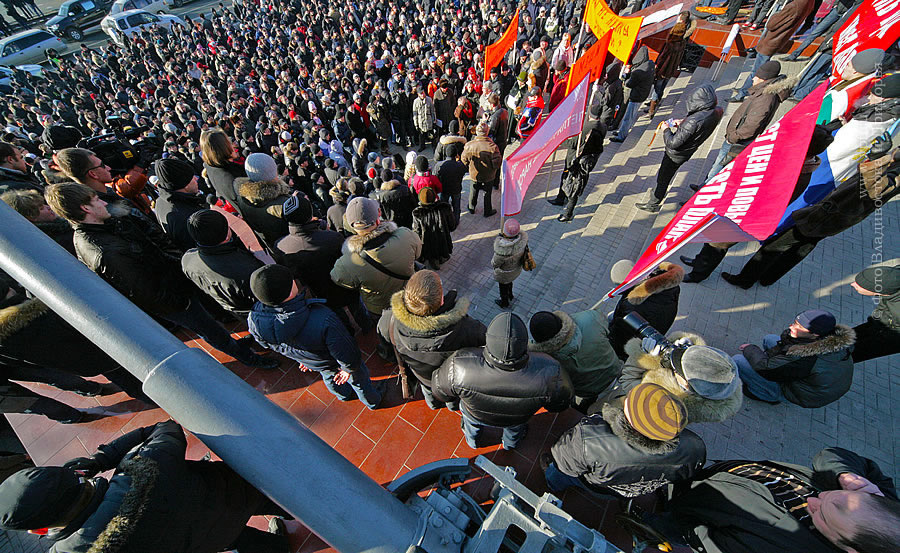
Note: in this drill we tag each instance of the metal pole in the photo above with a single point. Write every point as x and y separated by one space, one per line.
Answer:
259 440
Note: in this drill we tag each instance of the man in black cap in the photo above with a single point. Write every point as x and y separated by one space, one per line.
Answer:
501 385
155 501
221 264
880 334
808 364
308 332
179 198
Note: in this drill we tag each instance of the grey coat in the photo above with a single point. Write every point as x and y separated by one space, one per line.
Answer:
507 259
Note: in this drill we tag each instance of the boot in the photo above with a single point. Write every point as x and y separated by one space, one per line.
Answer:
653 105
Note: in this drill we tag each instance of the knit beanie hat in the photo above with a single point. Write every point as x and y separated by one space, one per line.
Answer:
709 371
511 228
297 209
207 227
38 497
427 196
544 325
422 164
423 293
174 174
882 280
60 137
817 321
261 167
769 70
655 412
619 271
271 284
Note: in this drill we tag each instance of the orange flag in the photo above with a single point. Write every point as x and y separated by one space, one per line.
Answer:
494 53
591 62
624 29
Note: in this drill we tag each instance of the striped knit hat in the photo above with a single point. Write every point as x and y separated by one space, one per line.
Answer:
654 412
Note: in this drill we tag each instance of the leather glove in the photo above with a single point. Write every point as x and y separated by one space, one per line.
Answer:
882 145
88 466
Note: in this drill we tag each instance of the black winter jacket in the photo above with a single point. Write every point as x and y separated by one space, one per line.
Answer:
703 117
425 342
608 455
612 97
397 203
223 272
138 260
173 209
222 180
433 223
639 82
310 252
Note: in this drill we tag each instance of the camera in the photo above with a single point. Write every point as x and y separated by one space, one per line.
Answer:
643 329
112 148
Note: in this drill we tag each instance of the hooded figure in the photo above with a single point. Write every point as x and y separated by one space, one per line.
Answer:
638 84
502 385
612 96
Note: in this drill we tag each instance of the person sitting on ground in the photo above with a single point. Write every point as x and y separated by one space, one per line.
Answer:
580 343
843 504
308 332
809 364
630 451
501 385
426 327
155 500
880 334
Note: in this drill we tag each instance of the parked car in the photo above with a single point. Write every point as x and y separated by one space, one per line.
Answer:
122 25
176 3
29 46
152 6
6 75
77 16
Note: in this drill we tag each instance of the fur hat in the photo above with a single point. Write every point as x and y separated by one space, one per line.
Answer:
427 196
709 371
544 325
423 293
769 70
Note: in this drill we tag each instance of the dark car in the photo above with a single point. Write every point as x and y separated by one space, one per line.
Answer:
76 16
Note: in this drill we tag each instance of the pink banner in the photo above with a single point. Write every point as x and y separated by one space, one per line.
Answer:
521 166
747 199
874 24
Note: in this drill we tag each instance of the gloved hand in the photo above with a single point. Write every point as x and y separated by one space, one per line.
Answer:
88 466
651 346
882 145
684 341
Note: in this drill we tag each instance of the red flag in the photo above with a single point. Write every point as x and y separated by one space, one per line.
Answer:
494 53
522 165
874 24
747 199
590 63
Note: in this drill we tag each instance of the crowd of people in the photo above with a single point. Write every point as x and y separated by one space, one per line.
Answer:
296 118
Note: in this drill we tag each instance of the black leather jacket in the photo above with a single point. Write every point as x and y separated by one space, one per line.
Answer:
703 117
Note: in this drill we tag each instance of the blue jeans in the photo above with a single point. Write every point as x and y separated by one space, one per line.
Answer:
757 63
359 385
821 27
472 429
758 385
819 70
558 481
659 85
631 113
720 160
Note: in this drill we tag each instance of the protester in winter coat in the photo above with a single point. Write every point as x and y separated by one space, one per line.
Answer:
260 197
393 250
560 82
155 500
509 251
669 59
433 222
452 137
612 96
483 159
501 385
780 28
843 503
704 378
498 122
451 173
638 84
397 202
580 162
423 118
179 198
580 343
466 114
655 299
219 167
221 264
531 113
684 139
426 327
444 105
308 332
423 177
335 214
809 364
627 452
380 116
880 334
139 261
752 117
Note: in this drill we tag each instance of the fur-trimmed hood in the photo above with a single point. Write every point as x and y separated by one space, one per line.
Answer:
671 278
357 242
16 317
560 339
258 193
361 147
615 418
699 408
842 338
451 138
390 185
144 475
430 324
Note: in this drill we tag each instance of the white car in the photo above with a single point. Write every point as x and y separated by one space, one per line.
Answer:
29 46
152 6
122 25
